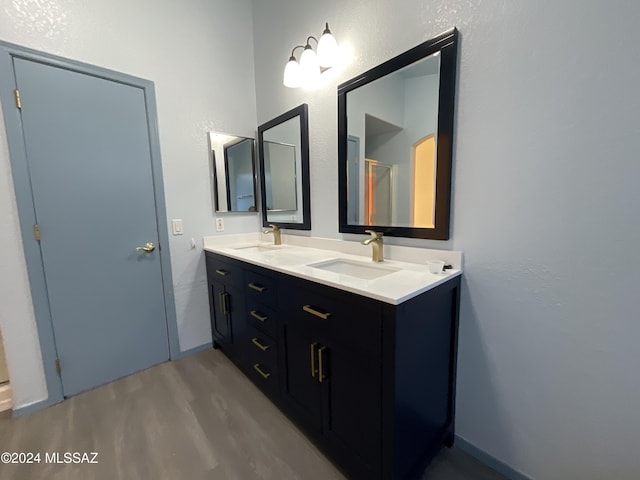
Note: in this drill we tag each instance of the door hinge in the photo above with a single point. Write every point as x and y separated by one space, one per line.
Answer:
18 101
36 231
58 367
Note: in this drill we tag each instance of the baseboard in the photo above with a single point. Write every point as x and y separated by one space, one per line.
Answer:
498 465
6 397
191 351
34 407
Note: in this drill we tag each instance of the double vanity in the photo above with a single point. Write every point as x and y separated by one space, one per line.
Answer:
356 344
360 355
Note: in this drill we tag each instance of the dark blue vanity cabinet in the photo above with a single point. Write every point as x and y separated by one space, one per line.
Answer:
373 384
332 371
225 300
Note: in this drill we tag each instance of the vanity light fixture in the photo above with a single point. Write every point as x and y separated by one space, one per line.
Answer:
311 64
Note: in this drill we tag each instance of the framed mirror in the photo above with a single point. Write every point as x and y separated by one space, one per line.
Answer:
395 138
234 175
284 170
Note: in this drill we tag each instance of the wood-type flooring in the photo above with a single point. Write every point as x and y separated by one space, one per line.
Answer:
195 418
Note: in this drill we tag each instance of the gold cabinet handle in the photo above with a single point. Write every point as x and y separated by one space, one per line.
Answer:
227 307
321 373
256 314
257 343
256 367
313 359
224 307
317 313
221 302
256 287
147 247
222 272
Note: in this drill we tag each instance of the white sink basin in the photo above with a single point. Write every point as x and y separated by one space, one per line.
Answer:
352 268
259 248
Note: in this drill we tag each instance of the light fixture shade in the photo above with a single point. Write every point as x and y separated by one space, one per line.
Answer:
309 65
292 74
327 49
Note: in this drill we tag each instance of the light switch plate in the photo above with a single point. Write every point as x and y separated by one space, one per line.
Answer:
176 226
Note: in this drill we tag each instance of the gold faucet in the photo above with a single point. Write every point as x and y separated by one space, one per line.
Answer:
376 243
277 236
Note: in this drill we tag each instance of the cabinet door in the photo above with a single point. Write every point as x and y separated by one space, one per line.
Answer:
352 407
352 385
227 311
223 276
300 385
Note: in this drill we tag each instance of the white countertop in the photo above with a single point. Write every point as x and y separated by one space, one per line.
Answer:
404 281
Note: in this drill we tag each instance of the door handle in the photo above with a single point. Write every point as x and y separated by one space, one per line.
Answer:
224 303
147 247
313 359
322 369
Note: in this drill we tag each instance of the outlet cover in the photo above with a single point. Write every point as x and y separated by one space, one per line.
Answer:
219 225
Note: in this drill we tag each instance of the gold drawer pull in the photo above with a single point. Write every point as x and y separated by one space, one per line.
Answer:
257 368
321 373
256 314
257 343
313 311
257 287
222 272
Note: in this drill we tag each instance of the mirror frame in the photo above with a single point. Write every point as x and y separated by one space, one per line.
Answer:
447 44
300 111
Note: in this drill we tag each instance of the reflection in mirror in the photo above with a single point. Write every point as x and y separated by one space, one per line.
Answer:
234 184
395 136
284 170
279 168
396 116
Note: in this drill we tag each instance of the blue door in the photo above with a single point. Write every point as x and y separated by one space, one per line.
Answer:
89 160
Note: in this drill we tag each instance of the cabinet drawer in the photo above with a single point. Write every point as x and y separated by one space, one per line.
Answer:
265 377
262 317
262 360
261 349
223 271
260 288
349 320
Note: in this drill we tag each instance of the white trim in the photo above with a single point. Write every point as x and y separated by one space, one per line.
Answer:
6 397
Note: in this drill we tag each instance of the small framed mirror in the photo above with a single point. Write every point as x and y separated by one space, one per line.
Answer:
284 170
234 175
395 138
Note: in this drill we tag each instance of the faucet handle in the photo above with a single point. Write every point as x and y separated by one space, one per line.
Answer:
374 234
274 227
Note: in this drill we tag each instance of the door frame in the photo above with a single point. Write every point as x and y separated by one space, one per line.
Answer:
26 207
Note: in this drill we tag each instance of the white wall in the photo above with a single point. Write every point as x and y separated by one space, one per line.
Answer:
545 203
200 56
